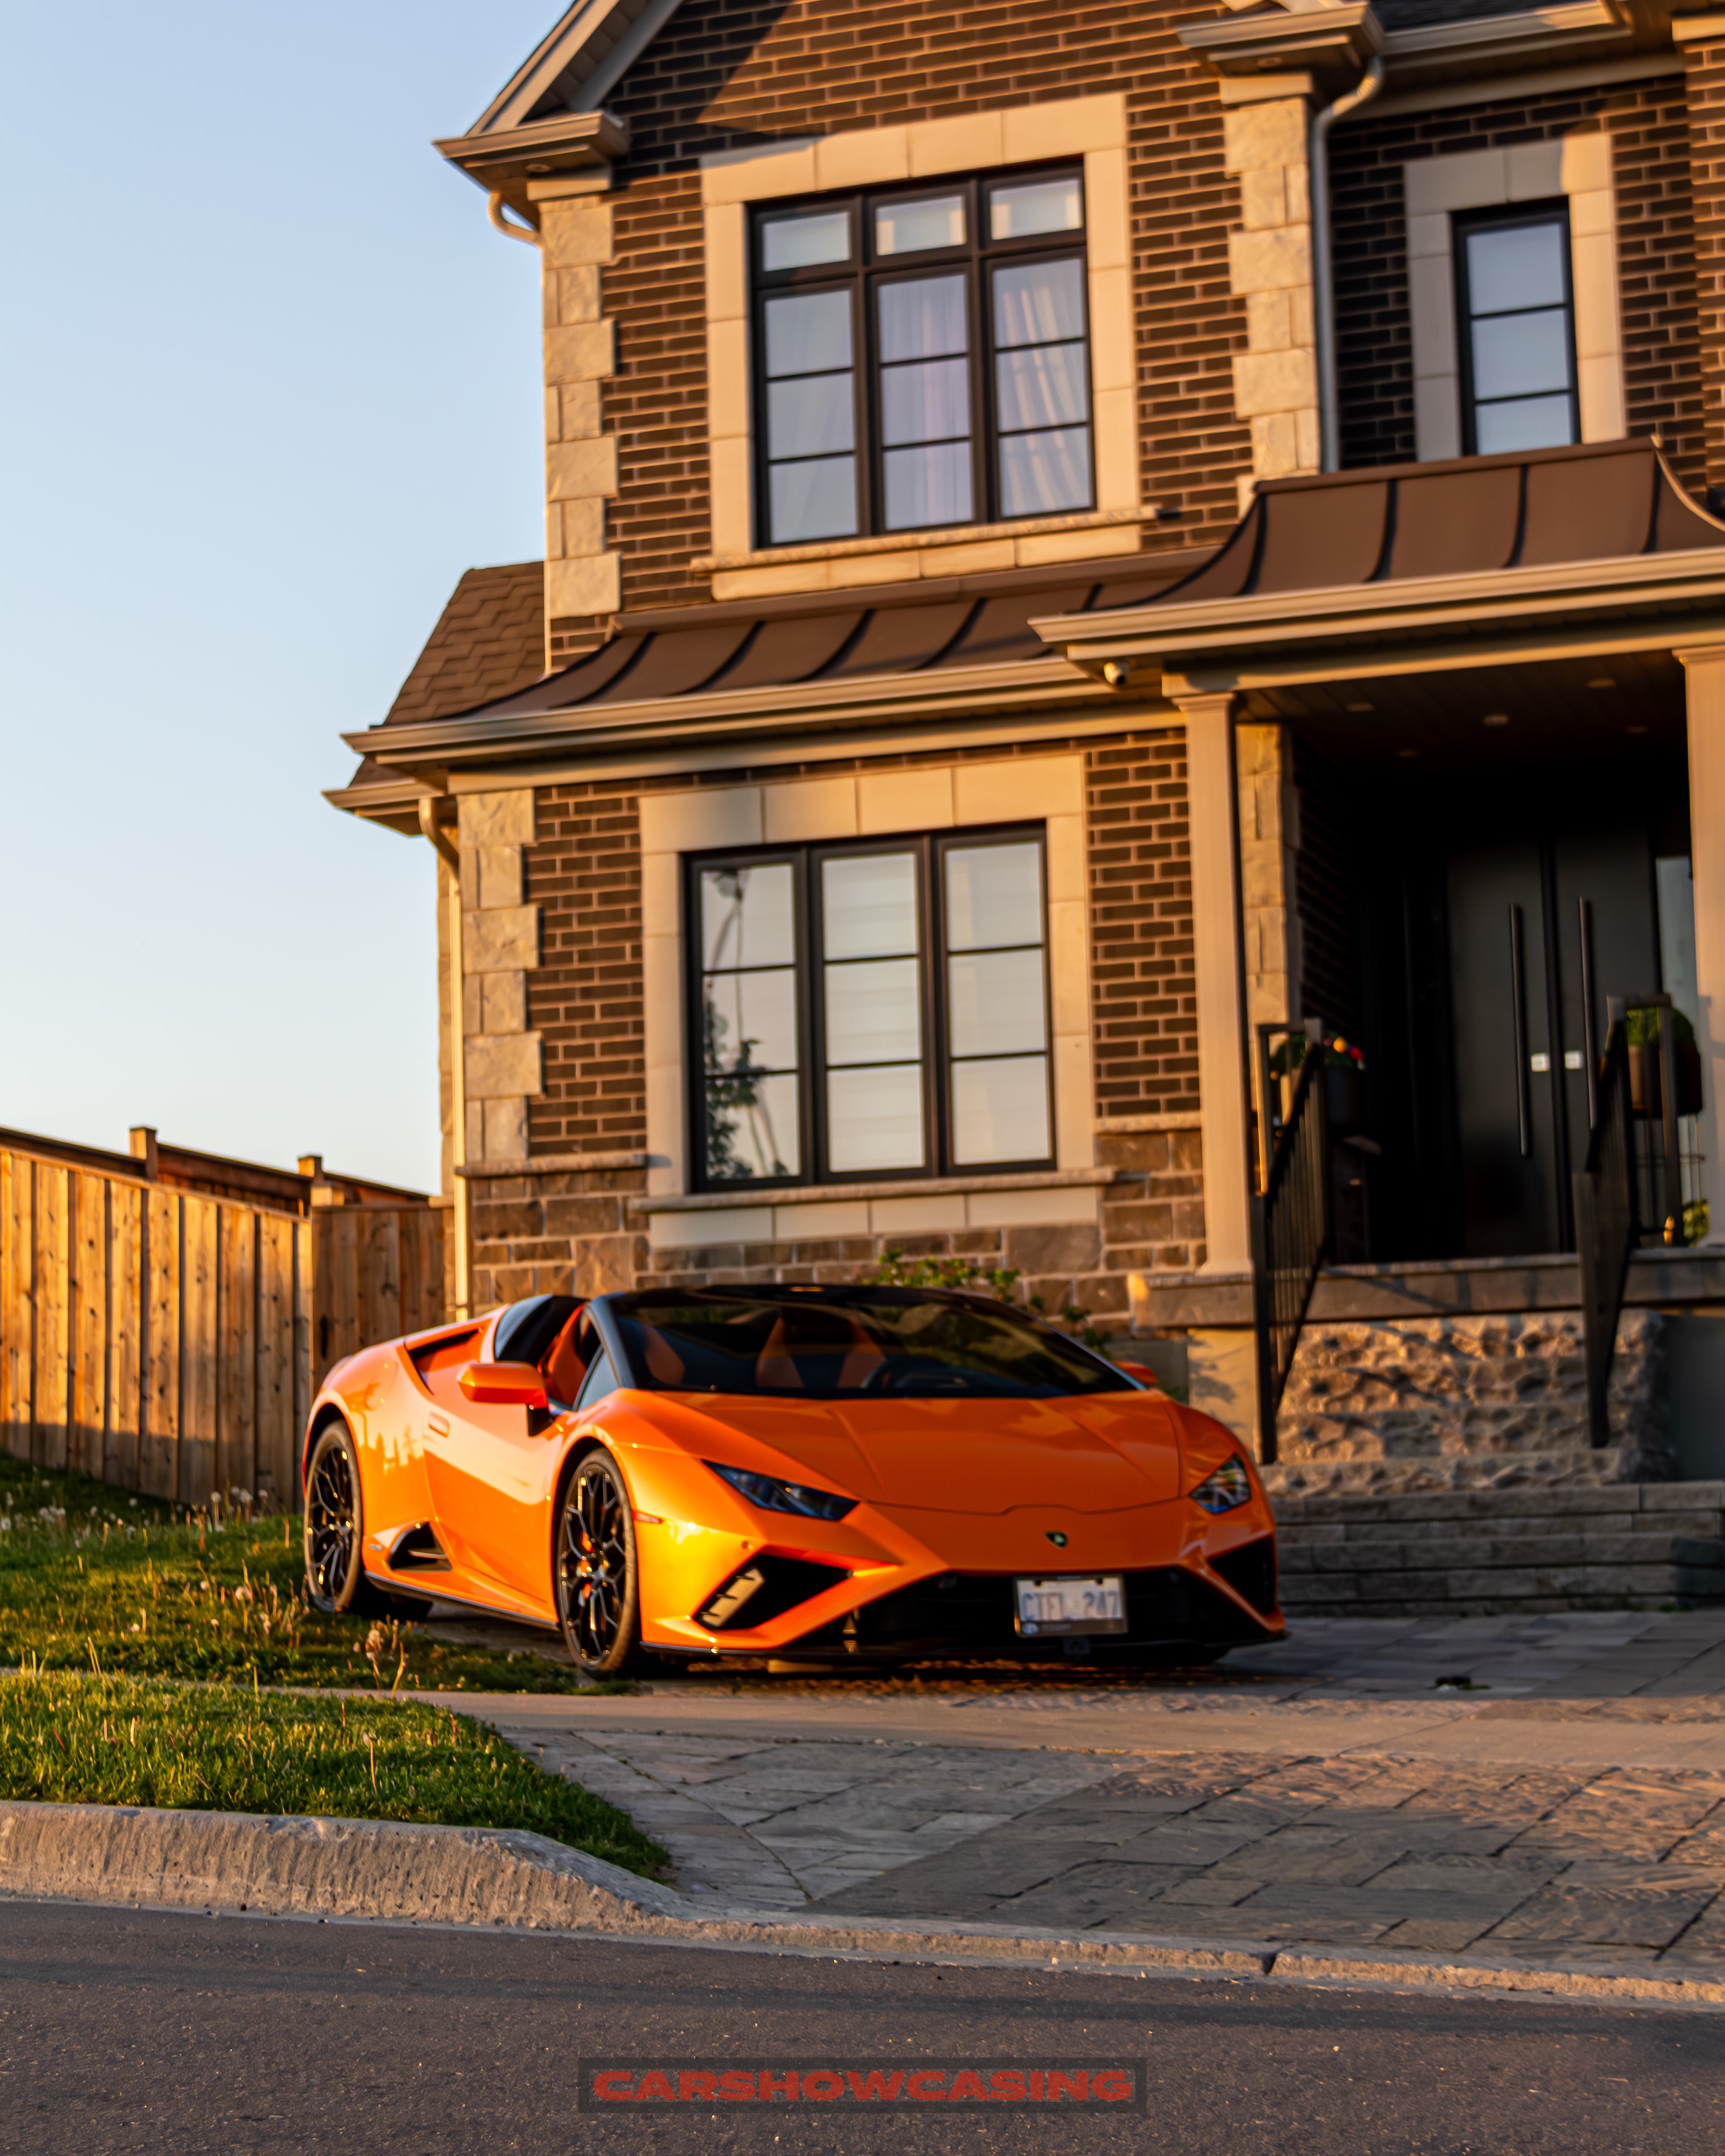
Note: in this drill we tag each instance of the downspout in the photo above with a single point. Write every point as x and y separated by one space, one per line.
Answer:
494 210
1323 274
450 853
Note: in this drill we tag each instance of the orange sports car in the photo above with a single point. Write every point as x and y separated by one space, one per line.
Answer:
828 1474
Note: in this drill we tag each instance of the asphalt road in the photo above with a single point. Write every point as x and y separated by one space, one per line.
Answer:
128 2030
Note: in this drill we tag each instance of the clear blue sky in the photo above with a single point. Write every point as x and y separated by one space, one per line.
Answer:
268 384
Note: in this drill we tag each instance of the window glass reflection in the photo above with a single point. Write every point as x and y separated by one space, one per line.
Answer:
748 917
1519 333
909 228
993 895
869 905
803 242
750 1020
871 1011
995 1002
874 1119
749 1049
1020 210
1517 266
752 1128
1000 1110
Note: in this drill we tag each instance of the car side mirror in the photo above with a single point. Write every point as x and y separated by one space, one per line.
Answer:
503 1385
1143 1372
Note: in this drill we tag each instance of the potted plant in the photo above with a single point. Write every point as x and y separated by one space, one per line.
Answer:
1641 1030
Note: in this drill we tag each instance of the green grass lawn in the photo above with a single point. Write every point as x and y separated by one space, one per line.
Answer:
91 1577
66 1738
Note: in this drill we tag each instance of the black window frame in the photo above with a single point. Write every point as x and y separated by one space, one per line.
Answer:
862 275
1507 218
929 849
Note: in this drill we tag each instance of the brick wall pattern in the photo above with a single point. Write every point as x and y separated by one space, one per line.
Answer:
1656 242
723 77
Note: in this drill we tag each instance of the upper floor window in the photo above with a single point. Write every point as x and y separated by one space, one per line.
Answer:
922 358
871 1009
1516 307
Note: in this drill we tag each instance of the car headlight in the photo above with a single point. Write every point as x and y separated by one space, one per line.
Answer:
773 1495
1228 1486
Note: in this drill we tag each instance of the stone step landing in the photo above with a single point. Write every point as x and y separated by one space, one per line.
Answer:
1492 1552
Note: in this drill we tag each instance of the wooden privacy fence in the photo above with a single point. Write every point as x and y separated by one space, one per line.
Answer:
172 1343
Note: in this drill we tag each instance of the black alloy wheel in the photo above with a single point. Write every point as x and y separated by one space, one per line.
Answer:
597 1582
334 1523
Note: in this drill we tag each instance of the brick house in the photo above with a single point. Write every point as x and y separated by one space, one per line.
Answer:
1070 539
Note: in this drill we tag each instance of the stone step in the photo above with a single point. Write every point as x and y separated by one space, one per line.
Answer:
1635 1499
1643 1535
1480 1551
1438 1552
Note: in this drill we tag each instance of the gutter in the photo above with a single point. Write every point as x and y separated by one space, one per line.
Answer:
1323 270
960 690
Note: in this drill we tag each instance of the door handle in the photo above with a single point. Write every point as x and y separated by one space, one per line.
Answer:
437 1424
1589 1030
1524 1107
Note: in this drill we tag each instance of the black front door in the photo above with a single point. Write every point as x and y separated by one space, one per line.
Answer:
1521 949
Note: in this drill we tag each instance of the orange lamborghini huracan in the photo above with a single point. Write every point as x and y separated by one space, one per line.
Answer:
826 1475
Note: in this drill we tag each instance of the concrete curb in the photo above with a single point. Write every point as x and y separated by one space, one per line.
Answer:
499 1878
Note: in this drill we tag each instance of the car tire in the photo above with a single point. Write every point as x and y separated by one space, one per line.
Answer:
597 1577
335 1525
336 1582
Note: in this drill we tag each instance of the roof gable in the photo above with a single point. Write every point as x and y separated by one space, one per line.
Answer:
576 66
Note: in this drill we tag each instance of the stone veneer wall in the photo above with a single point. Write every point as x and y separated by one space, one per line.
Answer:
1458 1402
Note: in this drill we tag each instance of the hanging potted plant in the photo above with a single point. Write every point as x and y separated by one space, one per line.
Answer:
1641 1030
1344 1065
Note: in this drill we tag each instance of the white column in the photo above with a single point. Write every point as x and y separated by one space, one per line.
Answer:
1706 673
1222 1060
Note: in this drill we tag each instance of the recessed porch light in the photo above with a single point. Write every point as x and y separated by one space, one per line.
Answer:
1496 718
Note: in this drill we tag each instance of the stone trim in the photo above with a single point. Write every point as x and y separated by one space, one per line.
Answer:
1183 1119
502 1058
913 1210
554 1163
1094 128
1576 165
582 577
1045 789
938 1186
1269 267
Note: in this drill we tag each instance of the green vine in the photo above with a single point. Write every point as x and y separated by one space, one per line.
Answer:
893 1268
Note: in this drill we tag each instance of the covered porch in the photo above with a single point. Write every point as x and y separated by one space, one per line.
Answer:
1456 745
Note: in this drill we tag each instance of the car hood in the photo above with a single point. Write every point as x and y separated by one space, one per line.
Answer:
1097 1454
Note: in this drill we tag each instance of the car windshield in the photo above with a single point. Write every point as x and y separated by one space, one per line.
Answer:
865 1343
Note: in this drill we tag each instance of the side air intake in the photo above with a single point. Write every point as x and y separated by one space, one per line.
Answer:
765 1589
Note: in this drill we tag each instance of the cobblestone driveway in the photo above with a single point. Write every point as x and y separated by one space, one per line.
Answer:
1616 1864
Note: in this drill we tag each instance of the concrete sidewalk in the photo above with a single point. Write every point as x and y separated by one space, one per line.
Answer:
1563 1804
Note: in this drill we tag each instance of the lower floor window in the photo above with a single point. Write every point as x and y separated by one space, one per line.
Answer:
871 1009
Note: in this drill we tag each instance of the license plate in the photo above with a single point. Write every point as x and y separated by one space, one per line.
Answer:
1049 1607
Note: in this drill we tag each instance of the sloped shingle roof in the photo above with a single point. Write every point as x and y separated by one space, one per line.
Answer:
489 642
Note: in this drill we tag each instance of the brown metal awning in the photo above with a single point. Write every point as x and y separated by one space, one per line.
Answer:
960 646
1473 514
1530 552
830 637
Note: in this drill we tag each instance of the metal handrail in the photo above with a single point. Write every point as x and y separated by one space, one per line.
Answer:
1292 1238
1606 1228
